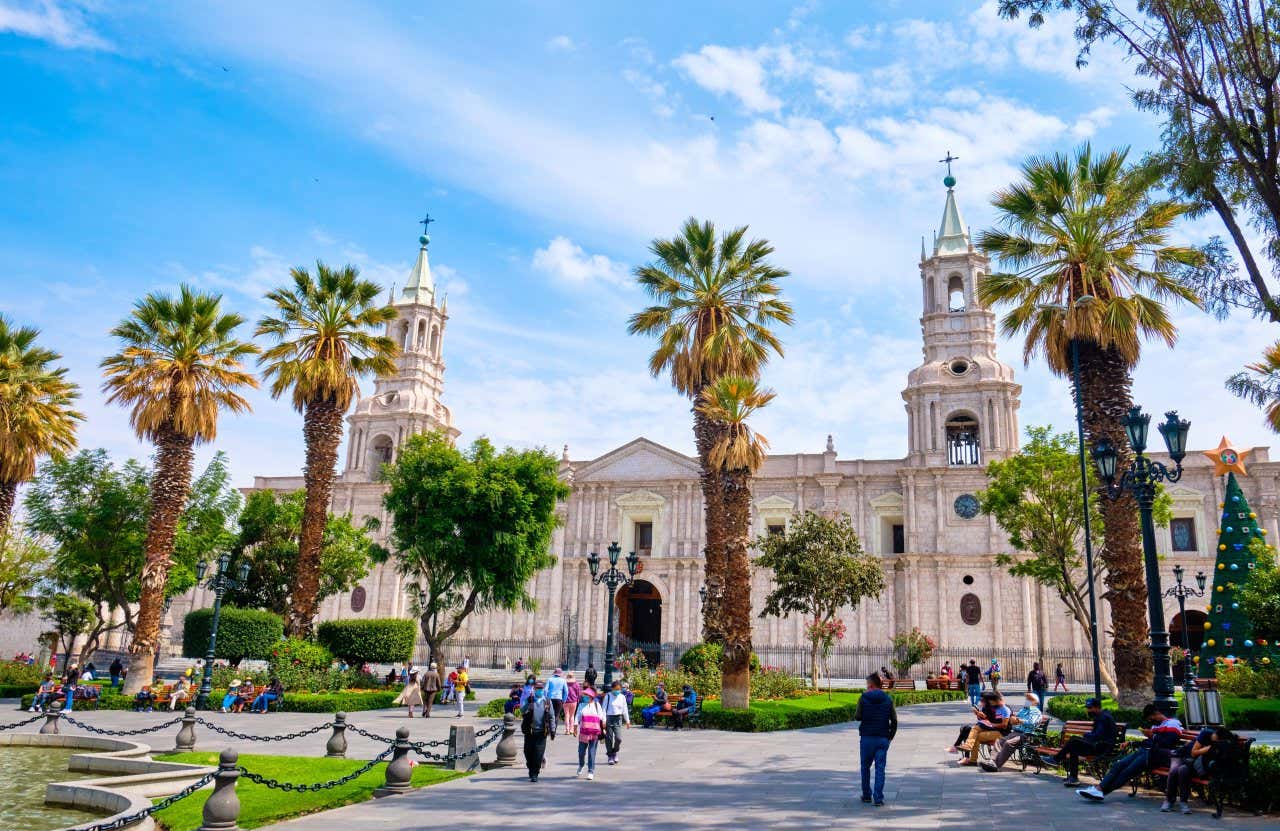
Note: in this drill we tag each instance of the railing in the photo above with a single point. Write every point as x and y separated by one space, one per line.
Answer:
501 654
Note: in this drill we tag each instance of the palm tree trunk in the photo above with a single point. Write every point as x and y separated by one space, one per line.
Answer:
170 487
736 614
8 495
706 433
322 430
1104 376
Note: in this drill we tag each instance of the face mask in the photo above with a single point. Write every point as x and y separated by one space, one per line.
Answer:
539 693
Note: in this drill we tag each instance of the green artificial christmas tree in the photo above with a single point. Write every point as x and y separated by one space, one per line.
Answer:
1228 635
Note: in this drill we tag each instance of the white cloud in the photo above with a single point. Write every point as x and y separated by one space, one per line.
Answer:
664 103
59 23
736 72
837 89
1089 123
567 262
561 43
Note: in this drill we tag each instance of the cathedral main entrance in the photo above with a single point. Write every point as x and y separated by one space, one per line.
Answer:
640 618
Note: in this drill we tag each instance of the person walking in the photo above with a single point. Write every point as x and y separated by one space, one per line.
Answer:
617 713
537 724
1037 682
411 694
993 675
557 690
460 689
589 725
972 681
1059 678
573 695
589 677
429 683
877 725
114 671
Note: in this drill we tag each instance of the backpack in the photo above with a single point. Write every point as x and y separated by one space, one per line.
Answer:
590 728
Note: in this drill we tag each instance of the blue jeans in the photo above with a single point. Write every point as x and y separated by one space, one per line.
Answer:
1124 769
587 755
975 694
649 713
874 749
263 701
228 700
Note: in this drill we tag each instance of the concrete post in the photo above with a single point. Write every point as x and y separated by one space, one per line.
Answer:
462 748
398 770
186 741
336 747
507 744
222 809
50 725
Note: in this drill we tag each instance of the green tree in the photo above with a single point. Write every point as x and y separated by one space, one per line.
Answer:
24 563
1260 597
242 633
323 345
270 530
36 418
1087 241
716 305
819 568
70 617
469 528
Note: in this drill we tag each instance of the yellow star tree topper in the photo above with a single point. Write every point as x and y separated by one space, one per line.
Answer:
1227 458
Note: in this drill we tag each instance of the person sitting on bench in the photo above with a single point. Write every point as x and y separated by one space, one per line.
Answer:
1099 741
1025 723
273 692
993 722
687 704
1163 737
1190 761
659 701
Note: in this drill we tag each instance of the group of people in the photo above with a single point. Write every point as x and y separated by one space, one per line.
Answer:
997 725
580 708
976 679
241 694
66 688
422 689
679 710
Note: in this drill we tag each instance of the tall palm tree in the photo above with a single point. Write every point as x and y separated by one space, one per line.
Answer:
1088 242
323 345
36 415
735 456
1259 384
715 307
179 366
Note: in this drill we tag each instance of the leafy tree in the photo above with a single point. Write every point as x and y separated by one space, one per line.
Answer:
1260 596
24 563
715 307
36 418
323 345
270 529
736 454
1087 243
242 633
70 616
469 528
179 365
819 568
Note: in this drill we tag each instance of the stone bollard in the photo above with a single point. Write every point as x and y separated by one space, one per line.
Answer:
462 748
50 725
336 747
186 740
507 744
222 809
399 772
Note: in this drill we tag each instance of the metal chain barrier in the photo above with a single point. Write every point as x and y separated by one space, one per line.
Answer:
252 738
451 757
130 819
318 786
21 723
101 731
420 746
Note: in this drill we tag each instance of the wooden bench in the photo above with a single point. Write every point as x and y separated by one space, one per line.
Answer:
83 697
668 712
901 684
1213 787
943 684
1096 764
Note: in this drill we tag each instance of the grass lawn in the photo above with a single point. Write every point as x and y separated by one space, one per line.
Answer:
260 805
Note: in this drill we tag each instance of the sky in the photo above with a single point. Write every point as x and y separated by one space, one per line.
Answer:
218 144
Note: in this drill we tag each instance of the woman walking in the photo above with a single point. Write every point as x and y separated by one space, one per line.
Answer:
430 686
1060 678
590 724
412 693
571 698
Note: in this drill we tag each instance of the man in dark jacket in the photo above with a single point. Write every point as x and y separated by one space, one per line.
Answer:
115 670
877 725
538 722
1100 739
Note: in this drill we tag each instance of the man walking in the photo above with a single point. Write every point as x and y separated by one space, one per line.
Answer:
557 691
616 713
115 670
973 681
589 677
877 725
538 722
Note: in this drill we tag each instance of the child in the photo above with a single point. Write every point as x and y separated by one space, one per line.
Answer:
590 724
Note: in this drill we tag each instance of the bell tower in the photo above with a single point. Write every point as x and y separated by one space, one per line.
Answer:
407 401
962 402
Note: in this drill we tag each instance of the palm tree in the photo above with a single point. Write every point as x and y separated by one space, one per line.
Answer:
736 455
322 347
1259 384
179 366
715 305
1092 263
36 418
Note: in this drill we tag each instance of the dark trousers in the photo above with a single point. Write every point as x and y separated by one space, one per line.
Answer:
1124 769
558 703
535 749
1070 754
874 750
612 735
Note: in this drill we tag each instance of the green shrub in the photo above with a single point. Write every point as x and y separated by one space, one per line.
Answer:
376 641
302 665
1240 713
806 711
492 709
773 684
348 701
242 633
705 658
17 690
1262 791
1242 679
18 674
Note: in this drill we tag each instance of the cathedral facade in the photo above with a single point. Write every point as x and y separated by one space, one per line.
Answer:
918 513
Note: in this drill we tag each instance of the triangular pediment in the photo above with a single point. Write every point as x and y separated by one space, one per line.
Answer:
887 503
640 499
640 460
1182 493
775 504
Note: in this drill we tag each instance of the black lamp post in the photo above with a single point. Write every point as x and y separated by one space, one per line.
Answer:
1182 592
1141 480
612 579
702 595
219 582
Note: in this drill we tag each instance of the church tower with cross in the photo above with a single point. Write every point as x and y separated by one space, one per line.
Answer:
408 401
962 402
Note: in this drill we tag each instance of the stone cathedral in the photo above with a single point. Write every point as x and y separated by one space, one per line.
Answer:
919 513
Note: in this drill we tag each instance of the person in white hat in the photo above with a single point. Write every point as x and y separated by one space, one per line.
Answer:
412 693
233 693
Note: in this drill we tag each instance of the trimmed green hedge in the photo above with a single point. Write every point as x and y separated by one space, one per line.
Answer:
1241 713
242 633
18 690
376 641
350 701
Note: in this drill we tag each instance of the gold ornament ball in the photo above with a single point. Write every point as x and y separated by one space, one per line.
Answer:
1253 516
1262 531
1266 660
1207 626
1221 566
1222 547
1211 642
1220 588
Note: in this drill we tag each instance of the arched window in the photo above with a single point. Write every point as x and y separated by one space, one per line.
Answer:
963 447
403 337
380 452
955 293
435 341
929 300
422 335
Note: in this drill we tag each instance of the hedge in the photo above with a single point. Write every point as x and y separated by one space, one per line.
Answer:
375 641
242 633
1241 713
17 690
348 700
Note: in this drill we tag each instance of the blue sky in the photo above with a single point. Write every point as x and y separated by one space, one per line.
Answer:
142 145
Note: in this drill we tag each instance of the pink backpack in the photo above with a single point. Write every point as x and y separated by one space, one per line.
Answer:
589 728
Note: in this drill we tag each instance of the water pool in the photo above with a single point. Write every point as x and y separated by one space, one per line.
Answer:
24 771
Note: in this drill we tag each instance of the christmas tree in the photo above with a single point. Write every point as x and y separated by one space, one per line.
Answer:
1228 637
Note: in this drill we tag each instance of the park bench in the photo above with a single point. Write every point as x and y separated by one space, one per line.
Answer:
693 718
1216 787
1097 764
83 697
902 684
1027 754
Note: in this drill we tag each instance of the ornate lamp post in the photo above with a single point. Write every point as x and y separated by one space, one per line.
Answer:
1141 480
702 595
613 579
219 582
1182 593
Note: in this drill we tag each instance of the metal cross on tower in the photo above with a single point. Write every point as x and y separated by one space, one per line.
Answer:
948 160
427 220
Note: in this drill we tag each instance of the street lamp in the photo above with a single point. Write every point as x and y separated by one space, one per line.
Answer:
613 578
219 582
1078 389
1182 592
1141 480
702 595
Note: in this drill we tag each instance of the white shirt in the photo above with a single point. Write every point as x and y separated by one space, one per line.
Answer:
615 704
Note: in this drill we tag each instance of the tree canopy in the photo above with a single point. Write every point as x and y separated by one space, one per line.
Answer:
24 564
